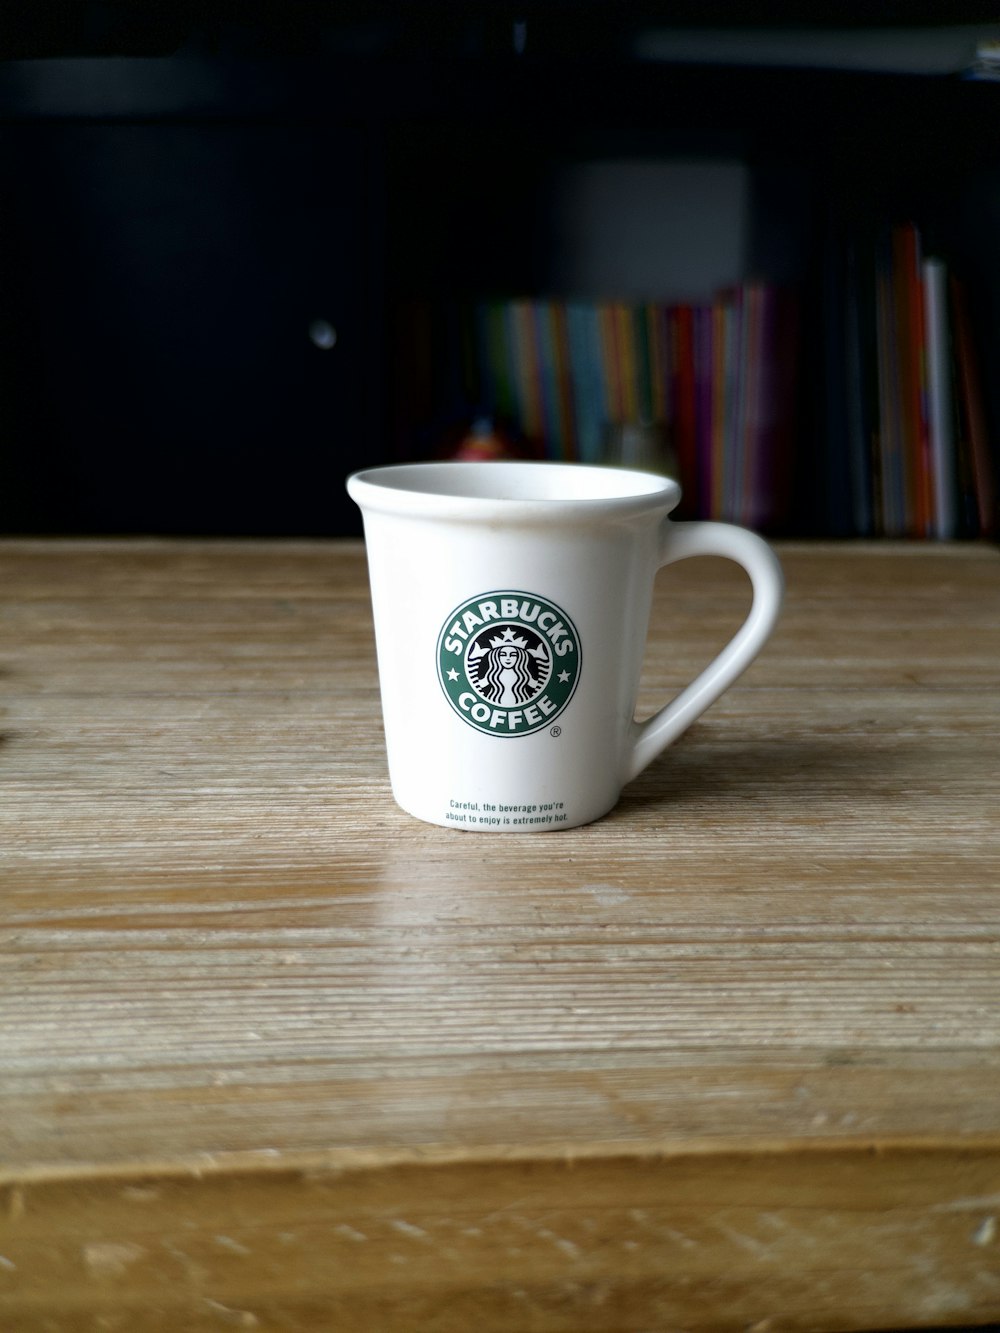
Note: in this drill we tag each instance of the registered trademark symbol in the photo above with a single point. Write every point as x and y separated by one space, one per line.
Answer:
556 731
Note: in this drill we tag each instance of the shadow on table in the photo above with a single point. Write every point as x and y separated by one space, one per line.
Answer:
704 770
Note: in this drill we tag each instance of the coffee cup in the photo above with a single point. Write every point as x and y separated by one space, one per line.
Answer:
511 604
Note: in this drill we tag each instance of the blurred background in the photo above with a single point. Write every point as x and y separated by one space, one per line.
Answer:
246 248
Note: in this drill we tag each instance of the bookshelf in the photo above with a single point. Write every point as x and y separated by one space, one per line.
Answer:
820 398
192 199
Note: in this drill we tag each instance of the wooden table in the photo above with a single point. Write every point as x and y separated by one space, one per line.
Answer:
275 1056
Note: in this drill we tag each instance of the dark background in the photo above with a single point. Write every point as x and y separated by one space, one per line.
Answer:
187 188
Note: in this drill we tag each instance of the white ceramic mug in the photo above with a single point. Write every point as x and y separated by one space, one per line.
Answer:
511 603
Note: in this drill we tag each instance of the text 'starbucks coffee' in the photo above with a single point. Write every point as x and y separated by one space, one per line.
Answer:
508 662
511 603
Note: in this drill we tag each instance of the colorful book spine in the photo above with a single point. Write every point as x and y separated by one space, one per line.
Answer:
551 433
561 373
723 442
932 472
563 386
903 449
711 475
587 380
686 407
940 402
972 418
908 391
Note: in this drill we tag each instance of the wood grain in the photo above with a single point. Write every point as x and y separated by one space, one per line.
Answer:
232 968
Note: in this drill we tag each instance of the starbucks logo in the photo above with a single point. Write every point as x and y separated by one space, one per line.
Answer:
508 662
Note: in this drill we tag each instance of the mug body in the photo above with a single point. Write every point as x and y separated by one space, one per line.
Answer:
511 603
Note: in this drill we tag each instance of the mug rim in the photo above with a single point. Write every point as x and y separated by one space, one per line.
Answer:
480 489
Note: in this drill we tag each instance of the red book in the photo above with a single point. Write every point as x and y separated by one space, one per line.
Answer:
972 416
909 295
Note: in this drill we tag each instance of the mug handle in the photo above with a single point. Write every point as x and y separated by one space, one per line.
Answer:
680 541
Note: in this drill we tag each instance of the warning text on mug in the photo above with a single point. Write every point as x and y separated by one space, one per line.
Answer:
484 815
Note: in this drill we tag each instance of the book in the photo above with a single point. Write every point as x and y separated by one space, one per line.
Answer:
704 374
972 416
940 402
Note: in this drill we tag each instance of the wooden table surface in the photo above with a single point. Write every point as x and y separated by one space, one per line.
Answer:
275 1056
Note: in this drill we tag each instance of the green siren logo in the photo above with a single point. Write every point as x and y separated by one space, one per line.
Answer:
508 662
